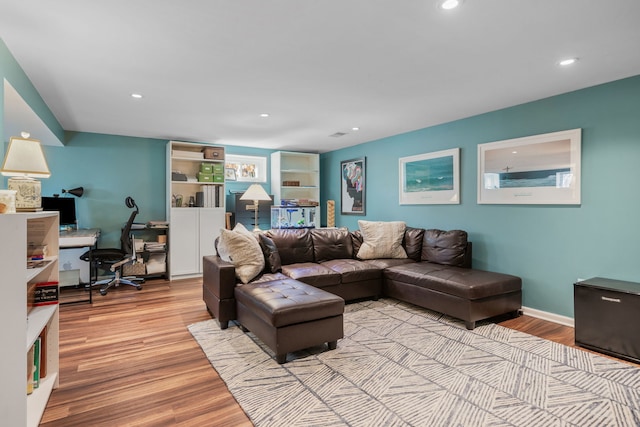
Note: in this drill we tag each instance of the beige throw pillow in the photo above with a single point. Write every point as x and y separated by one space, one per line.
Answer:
240 247
382 239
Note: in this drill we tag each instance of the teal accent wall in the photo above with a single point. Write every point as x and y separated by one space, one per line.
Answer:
548 246
110 168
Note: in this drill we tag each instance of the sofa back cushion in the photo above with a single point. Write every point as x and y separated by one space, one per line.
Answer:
241 248
331 243
294 245
444 247
272 262
382 239
412 242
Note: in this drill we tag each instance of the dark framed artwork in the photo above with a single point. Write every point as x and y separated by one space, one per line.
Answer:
352 186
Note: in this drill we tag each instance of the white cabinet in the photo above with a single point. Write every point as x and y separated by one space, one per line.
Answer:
295 177
193 229
22 327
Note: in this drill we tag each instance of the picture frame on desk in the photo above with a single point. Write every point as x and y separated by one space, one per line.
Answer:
230 174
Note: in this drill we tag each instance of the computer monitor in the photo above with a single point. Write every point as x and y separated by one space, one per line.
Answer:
65 205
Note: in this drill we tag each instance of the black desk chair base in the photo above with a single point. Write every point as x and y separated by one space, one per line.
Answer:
116 281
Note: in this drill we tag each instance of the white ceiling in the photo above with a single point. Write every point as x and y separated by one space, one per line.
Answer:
209 68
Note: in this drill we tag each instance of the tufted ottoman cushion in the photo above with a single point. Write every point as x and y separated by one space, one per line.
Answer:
288 315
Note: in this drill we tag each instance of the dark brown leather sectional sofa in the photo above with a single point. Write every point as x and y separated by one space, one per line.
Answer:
436 274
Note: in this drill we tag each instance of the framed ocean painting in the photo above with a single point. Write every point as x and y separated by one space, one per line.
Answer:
538 170
430 178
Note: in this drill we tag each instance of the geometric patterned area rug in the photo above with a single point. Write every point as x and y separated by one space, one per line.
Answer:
401 365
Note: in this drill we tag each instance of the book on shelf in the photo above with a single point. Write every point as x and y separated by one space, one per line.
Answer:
212 195
157 224
30 370
36 362
36 252
155 246
43 352
37 263
46 293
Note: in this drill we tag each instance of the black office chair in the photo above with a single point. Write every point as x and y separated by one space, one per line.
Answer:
116 258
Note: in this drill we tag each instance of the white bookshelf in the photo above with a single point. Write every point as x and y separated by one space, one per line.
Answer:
192 230
21 327
303 168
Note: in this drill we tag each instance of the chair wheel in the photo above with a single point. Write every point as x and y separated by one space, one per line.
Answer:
139 288
103 291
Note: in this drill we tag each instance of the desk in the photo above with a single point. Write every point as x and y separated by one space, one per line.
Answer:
74 271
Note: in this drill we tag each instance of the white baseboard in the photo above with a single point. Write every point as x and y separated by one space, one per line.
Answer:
551 317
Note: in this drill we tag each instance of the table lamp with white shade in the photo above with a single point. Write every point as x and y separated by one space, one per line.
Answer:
23 162
256 193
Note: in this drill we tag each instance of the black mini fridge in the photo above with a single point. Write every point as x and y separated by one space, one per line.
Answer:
607 317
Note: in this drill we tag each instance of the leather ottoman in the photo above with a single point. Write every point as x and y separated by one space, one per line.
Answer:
288 315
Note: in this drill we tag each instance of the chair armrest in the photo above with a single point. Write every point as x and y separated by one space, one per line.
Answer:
218 277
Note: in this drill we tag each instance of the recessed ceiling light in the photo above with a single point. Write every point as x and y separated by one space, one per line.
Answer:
355 129
264 115
449 4
568 61
136 95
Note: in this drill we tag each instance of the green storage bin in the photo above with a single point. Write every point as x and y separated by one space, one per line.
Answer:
218 168
205 177
218 177
206 168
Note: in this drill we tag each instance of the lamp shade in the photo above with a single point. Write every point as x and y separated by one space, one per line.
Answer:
25 158
255 192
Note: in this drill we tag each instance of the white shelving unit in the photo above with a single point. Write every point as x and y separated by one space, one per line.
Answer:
22 326
193 230
303 168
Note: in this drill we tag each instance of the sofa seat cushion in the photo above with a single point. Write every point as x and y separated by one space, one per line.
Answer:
288 302
383 263
313 274
269 277
352 270
465 283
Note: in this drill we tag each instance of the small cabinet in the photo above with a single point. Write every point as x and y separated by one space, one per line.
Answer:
247 217
606 314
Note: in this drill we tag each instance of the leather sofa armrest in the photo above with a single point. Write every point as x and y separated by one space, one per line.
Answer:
218 277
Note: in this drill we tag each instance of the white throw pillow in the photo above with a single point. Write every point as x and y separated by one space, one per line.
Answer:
382 239
240 247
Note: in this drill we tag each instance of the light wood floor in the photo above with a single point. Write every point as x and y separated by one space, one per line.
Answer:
129 360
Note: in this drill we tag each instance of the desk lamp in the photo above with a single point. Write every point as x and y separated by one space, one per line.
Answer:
23 162
256 193
78 192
